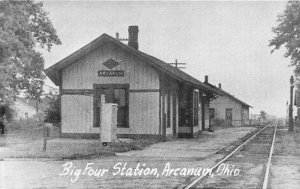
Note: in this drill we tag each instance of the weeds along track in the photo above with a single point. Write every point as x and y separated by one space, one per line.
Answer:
245 167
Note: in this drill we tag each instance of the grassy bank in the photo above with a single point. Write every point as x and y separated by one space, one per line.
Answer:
24 139
288 143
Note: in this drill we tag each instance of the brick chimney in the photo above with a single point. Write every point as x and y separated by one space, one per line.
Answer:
133 37
206 79
220 86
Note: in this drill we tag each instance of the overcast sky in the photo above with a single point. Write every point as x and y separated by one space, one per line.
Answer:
228 41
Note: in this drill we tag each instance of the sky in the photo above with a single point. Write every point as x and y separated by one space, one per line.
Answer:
228 41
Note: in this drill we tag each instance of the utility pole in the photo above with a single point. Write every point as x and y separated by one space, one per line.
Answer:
287 113
291 122
178 63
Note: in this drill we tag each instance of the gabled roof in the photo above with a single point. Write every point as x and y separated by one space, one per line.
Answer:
43 104
236 99
23 103
53 72
224 93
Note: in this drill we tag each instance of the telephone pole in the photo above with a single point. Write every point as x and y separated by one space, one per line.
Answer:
291 122
177 63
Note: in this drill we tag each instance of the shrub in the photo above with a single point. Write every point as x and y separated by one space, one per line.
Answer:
9 111
53 112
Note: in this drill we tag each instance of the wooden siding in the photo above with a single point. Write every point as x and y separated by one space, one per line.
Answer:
143 113
84 73
221 103
206 114
170 128
200 112
143 80
77 114
168 91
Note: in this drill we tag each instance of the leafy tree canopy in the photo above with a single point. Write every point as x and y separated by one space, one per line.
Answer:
24 27
263 115
287 33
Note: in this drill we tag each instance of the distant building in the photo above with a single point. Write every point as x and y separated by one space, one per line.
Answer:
25 108
228 110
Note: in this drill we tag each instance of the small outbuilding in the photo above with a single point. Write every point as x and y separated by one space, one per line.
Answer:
228 110
154 98
27 108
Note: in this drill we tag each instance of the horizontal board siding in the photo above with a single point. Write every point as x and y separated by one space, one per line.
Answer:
83 73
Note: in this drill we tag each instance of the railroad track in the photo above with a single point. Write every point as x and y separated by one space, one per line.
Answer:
247 166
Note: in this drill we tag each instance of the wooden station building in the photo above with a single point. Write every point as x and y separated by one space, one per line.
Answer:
228 110
154 98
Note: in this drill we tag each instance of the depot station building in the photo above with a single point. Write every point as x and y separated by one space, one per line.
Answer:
154 98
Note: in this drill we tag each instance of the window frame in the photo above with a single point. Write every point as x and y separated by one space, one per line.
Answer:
228 109
110 87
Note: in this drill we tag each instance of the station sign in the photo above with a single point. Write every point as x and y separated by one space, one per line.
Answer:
111 73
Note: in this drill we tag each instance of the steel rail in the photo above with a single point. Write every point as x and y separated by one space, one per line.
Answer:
266 179
224 159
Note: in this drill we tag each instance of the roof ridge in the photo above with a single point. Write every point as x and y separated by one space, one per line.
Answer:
231 95
53 71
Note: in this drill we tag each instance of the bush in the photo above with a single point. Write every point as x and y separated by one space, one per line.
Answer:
53 112
8 110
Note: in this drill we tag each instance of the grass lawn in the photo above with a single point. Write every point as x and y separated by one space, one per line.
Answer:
24 139
288 143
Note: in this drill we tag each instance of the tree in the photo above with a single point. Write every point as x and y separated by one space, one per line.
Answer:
24 27
287 33
263 115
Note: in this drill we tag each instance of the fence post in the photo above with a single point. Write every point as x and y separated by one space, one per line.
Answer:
45 137
47 133
291 121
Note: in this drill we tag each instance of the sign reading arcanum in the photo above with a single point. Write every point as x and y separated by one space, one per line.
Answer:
106 73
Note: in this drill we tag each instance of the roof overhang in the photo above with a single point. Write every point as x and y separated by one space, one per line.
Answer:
54 72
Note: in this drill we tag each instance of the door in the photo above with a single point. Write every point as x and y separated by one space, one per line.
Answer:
117 94
228 116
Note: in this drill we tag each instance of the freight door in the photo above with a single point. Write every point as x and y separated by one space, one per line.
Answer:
117 94
228 116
